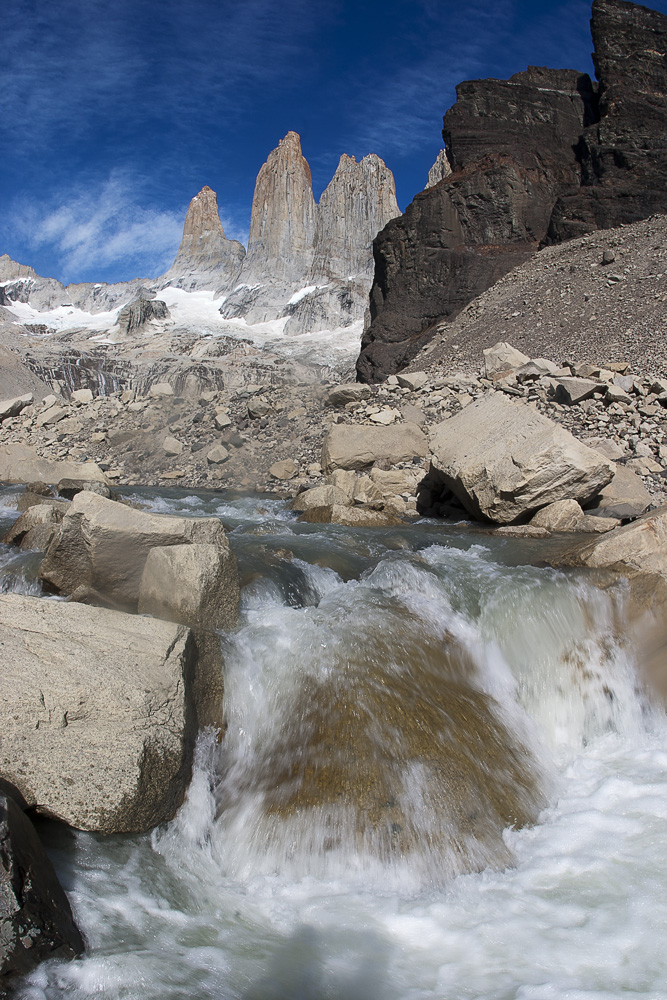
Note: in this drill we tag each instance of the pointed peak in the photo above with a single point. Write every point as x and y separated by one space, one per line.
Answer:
291 139
202 215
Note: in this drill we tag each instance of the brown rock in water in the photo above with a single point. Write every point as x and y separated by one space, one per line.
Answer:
357 446
407 759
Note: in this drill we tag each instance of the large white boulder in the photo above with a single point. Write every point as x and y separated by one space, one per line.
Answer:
504 460
99 721
21 464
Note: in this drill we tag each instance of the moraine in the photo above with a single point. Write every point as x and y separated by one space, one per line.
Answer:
246 896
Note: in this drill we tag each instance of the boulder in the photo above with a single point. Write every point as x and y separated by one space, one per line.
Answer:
563 515
504 460
413 380
172 446
82 396
161 389
624 497
37 525
200 591
21 464
357 446
100 551
575 390
321 496
351 517
99 723
636 548
217 454
286 469
68 488
394 482
12 407
353 392
35 916
502 357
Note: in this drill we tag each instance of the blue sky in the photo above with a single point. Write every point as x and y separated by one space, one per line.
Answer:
114 113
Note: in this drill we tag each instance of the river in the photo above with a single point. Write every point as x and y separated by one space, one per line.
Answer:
440 779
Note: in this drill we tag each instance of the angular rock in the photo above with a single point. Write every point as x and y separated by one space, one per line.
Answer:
321 496
191 585
100 551
354 392
136 315
502 357
82 396
68 488
440 169
286 469
36 919
413 380
217 455
352 517
12 407
160 389
504 460
624 497
21 464
639 547
353 446
37 525
100 723
172 446
576 390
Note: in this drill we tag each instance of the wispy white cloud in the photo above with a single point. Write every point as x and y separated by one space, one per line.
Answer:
87 230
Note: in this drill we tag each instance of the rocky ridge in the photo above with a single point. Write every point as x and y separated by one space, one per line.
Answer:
542 157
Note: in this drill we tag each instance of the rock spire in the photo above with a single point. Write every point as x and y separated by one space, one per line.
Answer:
205 258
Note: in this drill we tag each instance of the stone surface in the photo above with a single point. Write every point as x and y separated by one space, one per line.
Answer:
21 464
504 460
625 496
321 496
195 585
575 390
511 147
37 525
99 721
136 315
348 446
440 169
503 357
100 551
36 920
205 258
352 517
12 407
286 469
639 547
353 392
563 515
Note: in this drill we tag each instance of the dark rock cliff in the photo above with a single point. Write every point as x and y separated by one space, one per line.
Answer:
541 157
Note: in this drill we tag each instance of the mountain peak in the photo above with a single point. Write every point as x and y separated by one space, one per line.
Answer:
205 258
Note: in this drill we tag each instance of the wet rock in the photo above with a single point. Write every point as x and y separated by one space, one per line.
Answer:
504 460
36 919
351 517
36 526
321 496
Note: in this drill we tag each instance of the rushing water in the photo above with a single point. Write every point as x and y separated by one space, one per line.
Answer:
440 779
